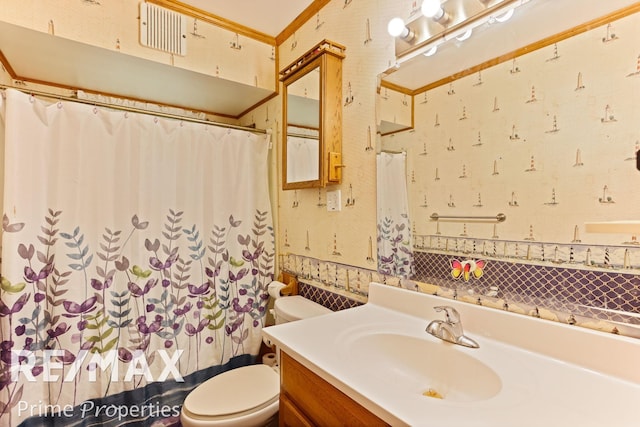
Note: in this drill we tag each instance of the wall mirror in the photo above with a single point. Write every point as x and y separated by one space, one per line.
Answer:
303 129
522 131
312 118
475 100
395 109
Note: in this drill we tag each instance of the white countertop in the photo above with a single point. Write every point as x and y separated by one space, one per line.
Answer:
549 373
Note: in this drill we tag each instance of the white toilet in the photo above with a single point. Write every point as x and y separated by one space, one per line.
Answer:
246 396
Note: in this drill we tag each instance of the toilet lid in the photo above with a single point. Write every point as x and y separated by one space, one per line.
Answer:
234 391
298 307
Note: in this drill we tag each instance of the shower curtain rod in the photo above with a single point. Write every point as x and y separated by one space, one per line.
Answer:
132 109
300 135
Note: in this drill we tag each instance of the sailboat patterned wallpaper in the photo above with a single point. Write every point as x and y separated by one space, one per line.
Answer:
548 138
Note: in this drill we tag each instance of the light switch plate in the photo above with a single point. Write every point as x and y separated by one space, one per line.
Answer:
334 201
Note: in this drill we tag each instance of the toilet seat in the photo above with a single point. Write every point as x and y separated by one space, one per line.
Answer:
232 393
247 396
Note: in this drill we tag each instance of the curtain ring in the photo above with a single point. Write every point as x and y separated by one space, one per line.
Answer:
126 114
95 110
32 98
155 120
59 105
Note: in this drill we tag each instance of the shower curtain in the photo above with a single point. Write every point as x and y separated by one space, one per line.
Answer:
136 253
395 256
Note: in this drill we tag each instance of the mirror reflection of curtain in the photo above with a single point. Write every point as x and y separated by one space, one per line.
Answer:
395 255
303 159
129 237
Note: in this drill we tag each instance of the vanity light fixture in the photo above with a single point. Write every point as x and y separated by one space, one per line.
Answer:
435 26
433 9
397 28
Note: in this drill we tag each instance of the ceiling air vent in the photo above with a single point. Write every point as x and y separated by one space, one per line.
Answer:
163 29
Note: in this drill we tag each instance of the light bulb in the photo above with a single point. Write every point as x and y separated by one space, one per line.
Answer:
505 16
431 51
462 37
396 27
431 8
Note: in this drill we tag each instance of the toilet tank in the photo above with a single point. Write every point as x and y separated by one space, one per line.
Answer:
289 309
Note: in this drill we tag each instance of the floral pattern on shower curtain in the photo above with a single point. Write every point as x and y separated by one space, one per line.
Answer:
395 255
135 249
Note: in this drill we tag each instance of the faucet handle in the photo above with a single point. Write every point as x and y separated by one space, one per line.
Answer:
451 314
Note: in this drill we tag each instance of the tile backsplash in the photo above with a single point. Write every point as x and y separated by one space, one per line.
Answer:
612 296
606 299
327 298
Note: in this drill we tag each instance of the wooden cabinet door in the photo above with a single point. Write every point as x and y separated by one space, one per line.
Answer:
317 401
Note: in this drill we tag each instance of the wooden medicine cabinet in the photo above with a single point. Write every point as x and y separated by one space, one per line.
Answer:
312 118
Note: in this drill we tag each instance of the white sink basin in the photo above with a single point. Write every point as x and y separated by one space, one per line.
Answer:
527 372
423 367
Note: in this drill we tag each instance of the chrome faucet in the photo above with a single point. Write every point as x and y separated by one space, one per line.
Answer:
450 329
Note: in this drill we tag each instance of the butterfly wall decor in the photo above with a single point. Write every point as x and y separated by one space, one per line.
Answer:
466 268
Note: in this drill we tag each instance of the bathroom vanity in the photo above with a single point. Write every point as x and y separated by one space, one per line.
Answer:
376 365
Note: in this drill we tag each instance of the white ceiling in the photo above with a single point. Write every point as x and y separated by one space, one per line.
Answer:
267 16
